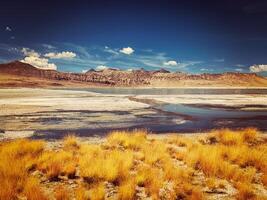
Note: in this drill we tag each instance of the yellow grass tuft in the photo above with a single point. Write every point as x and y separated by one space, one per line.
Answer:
70 142
127 189
152 179
112 165
245 192
32 190
133 140
55 164
16 158
97 192
250 134
154 152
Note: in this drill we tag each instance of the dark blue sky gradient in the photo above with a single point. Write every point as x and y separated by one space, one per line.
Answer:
214 35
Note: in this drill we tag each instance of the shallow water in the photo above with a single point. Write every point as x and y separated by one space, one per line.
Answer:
202 118
172 91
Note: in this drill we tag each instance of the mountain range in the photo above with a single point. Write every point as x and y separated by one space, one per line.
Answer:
19 74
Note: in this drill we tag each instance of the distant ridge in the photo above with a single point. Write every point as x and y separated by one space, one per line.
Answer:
137 78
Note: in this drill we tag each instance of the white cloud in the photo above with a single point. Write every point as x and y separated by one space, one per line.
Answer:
41 63
84 71
111 51
204 69
127 50
29 52
62 55
8 29
258 68
101 67
12 37
170 63
33 58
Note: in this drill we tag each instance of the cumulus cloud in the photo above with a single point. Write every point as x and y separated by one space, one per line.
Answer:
33 58
127 50
258 68
170 63
8 29
101 67
38 62
29 52
61 55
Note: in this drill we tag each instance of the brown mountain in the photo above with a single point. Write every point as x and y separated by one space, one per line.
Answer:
22 74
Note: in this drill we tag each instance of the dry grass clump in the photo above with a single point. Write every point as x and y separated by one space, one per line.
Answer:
154 152
180 140
127 189
70 142
152 179
32 190
16 158
188 191
55 164
109 165
245 191
210 160
134 139
97 192
236 137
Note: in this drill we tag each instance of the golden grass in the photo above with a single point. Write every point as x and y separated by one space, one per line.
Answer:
134 139
231 137
33 191
97 192
55 164
16 158
245 191
70 142
109 165
127 189
165 167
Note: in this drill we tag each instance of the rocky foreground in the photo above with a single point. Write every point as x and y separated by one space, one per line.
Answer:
223 164
115 77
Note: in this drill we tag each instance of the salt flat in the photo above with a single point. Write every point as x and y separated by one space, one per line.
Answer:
52 110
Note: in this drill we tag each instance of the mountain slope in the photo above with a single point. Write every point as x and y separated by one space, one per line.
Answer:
114 77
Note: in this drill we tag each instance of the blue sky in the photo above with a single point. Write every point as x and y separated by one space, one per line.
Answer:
189 36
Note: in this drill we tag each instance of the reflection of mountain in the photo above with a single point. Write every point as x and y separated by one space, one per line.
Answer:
115 77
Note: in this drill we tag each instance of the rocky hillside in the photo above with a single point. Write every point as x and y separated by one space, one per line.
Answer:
114 77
